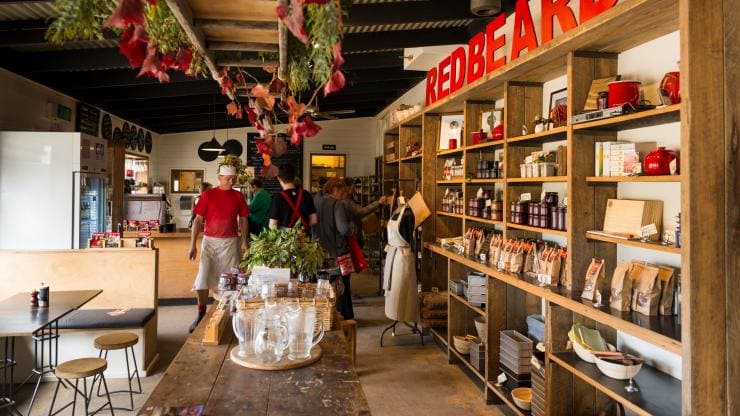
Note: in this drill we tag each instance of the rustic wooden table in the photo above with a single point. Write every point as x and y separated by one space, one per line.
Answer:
205 375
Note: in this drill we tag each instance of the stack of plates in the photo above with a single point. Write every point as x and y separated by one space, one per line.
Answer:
538 390
515 356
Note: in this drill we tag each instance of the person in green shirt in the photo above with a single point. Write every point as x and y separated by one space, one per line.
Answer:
258 208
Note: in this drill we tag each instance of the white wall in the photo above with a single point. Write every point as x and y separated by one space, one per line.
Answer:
23 105
357 138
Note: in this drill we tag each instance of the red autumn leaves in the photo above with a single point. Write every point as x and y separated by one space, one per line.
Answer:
136 46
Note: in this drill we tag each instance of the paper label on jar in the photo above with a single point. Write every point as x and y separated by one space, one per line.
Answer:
672 166
525 197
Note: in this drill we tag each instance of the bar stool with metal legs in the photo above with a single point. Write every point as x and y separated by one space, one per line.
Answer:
81 368
124 341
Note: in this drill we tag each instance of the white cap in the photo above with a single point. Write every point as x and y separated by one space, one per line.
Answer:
227 170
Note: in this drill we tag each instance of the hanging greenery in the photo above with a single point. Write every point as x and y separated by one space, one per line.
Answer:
79 20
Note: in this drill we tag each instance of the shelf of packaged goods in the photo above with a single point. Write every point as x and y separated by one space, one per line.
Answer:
617 179
484 221
647 118
634 243
484 146
485 181
538 179
661 331
414 158
392 162
451 182
556 134
466 360
410 121
475 309
659 394
504 393
537 229
449 151
449 214
440 334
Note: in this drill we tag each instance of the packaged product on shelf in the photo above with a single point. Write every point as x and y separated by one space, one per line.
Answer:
668 286
621 287
481 246
516 261
530 258
505 258
553 267
594 279
646 296
494 251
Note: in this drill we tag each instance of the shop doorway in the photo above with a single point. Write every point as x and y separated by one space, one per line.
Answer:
327 165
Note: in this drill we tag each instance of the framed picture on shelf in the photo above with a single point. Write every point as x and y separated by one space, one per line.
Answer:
186 181
489 119
558 111
450 133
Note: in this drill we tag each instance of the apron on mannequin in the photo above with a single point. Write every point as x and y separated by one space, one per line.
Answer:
399 275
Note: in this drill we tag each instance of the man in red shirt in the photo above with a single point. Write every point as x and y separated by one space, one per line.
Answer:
219 207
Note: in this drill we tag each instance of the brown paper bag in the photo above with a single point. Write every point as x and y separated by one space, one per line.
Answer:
553 267
495 251
621 291
594 279
503 260
516 261
668 284
530 257
646 296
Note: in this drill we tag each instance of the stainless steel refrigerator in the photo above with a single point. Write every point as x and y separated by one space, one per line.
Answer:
53 189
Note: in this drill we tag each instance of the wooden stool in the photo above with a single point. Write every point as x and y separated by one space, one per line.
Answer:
117 341
81 368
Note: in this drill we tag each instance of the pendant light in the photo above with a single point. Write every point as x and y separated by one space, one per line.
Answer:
225 152
213 145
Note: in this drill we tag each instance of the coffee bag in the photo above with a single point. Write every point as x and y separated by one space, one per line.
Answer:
594 279
646 295
621 290
668 285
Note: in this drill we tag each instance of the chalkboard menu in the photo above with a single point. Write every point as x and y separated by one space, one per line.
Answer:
294 156
88 119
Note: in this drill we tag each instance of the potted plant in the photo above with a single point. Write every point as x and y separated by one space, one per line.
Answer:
285 248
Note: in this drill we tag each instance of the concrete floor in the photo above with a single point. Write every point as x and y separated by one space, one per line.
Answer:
402 378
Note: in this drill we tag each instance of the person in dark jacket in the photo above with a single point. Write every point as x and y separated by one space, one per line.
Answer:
356 211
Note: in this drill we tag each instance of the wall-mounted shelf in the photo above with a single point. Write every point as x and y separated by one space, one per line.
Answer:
450 151
415 158
451 182
647 118
556 134
485 181
617 179
541 179
449 214
485 146
484 220
635 243
466 361
476 309
504 394
537 229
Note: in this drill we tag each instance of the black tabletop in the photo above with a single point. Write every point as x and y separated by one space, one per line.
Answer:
19 318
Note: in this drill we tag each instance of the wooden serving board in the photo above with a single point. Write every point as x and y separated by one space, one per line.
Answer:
284 364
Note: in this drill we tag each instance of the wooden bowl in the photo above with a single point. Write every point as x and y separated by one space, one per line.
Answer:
462 344
480 327
522 397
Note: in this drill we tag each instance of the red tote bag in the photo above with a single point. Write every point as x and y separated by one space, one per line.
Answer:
358 258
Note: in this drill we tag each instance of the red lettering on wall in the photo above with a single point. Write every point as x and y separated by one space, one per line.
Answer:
458 69
494 44
524 34
476 64
593 8
444 76
559 9
431 95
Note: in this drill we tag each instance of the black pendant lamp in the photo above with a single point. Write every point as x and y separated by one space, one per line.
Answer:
213 145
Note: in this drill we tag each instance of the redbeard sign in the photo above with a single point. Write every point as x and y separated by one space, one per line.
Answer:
463 67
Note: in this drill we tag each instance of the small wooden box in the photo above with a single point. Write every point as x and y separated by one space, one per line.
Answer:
625 217
216 327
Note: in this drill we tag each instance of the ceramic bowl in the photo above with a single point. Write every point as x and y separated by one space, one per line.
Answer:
522 397
585 354
617 371
480 327
462 345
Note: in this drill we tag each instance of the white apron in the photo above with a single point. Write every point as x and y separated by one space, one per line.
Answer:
217 255
399 275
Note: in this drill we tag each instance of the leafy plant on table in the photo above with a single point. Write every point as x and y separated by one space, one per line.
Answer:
287 248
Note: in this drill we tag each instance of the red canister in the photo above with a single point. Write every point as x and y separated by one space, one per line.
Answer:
452 144
658 162
479 136
498 132
671 83
623 92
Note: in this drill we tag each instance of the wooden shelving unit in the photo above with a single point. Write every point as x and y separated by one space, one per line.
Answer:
584 54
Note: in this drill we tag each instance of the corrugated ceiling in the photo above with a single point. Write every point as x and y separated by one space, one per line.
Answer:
27 10
410 26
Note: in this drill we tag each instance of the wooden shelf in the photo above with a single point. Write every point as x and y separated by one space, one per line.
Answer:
616 179
551 135
484 221
411 158
647 118
660 394
538 179
451 182
392 162
449 214
440 334
407 179
537 229
450 151
505 395
634 243
484 181
662 331
466 360
483 146
409 121
476 309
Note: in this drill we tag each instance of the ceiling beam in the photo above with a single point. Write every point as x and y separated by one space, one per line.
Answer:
407 12
404 39
243 46
246 63
233 24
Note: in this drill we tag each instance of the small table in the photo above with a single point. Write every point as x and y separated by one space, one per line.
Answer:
204 375
19 319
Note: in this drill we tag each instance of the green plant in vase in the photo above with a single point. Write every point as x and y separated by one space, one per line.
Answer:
287 248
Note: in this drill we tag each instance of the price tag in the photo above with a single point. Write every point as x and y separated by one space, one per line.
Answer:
673 166
501 379
649 230
525 197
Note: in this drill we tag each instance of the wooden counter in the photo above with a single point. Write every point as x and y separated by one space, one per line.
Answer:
176 271
201 375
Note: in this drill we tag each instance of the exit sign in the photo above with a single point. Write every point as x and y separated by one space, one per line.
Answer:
328 147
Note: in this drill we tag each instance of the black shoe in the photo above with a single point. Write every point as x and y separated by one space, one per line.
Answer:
196 322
